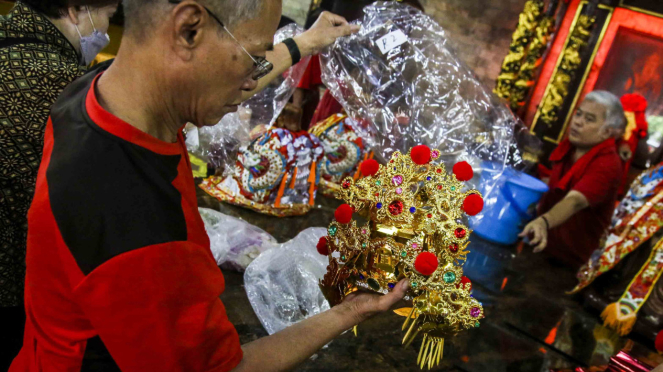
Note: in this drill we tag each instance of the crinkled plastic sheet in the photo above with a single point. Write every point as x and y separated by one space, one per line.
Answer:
402 82
234 243
218 144
282 283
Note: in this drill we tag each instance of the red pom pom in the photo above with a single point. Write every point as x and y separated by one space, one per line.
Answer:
343 213
634 102
463 171
369 167
659 341
473 204
322 247
464 280
420 154
425 263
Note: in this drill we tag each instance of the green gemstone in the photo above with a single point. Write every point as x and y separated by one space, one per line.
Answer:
404 254
363 245
414 284
332 230
477 324
373 284
343 257
378 183
453 188
449 277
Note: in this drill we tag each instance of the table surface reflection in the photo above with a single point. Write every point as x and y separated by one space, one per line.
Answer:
530 325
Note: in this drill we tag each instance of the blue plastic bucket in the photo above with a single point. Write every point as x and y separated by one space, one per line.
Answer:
505 208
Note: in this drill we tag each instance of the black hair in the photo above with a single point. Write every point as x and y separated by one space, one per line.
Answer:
58 8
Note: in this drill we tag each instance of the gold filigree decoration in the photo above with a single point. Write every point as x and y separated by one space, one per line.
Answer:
522 41
411 210
571 59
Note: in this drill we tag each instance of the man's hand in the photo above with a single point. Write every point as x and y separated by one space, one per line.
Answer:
538 230
363 305
625 152
324 32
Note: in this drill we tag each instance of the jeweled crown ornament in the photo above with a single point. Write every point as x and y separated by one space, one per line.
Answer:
414 230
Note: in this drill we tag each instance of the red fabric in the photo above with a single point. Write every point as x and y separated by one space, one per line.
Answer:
596 175
327 107
156 308
312 77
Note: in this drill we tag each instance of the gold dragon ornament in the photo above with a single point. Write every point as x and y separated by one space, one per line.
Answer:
415 230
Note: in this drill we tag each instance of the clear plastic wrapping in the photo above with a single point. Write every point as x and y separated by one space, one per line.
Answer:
218 145
282 283
400 79
234 243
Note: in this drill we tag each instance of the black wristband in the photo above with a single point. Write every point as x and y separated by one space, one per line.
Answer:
295 54
546 221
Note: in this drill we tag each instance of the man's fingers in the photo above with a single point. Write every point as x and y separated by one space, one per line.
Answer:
526 231
344 30
536 239
541 246
396 295
334 19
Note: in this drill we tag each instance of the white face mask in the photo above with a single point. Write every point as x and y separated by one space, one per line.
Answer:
93 44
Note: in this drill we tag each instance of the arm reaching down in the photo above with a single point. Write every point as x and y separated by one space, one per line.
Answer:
573 203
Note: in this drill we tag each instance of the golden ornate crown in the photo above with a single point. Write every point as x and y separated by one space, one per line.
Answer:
414 230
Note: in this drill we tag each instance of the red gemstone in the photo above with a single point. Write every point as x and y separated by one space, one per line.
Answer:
377 194
439 187
346 184
391 161
438 170
460 233
429 215
396 207
453 248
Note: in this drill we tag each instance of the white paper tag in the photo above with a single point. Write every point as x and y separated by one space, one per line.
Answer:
192 138
391 41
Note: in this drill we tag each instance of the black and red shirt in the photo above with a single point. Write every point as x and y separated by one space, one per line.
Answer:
120 275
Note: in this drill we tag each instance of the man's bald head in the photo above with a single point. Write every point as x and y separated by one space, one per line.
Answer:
141 15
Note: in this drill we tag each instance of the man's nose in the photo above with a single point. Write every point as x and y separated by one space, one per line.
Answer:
249 85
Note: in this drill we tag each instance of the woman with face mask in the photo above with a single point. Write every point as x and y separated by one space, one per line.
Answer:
44 46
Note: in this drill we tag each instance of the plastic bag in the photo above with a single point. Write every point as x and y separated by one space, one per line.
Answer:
403 84
234 243
218 145
399 78
282 283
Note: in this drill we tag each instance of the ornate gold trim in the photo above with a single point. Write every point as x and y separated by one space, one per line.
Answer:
510 82
568 63
581 87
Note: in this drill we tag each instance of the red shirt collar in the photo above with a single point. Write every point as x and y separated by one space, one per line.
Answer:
579 167
118 127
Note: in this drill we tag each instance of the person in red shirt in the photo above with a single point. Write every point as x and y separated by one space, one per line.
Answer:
584 183
120 275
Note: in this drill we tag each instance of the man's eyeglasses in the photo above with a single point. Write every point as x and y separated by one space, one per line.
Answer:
262 67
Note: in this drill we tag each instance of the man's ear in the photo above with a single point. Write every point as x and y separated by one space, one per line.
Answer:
72 14
188 19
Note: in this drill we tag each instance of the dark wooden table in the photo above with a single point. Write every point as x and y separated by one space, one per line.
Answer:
530 325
